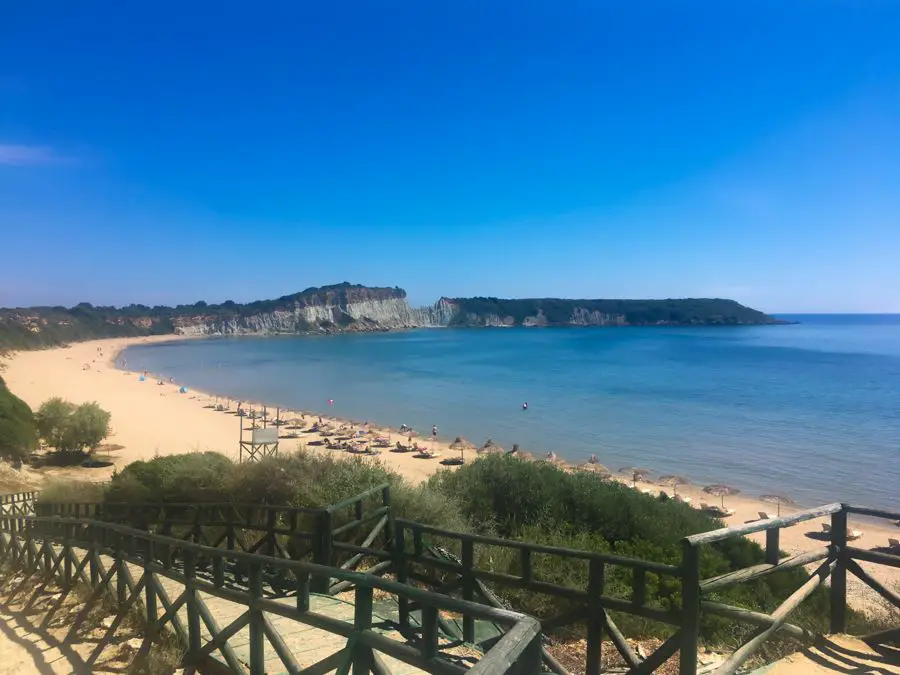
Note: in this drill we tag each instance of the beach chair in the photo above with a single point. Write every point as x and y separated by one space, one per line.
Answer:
894 544
853 535
764 516
826 528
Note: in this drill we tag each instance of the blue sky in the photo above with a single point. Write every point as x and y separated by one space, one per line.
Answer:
171 152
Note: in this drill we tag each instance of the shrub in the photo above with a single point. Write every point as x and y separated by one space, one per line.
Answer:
191 477
72 429
75 491
18 433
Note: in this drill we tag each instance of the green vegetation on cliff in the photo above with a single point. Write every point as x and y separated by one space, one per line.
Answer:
348 307
559 312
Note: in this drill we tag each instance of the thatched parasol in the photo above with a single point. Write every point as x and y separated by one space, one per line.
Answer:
720 490
490 448
636 472
778 500
674 480
462 445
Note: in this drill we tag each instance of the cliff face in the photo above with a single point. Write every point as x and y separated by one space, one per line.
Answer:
351 308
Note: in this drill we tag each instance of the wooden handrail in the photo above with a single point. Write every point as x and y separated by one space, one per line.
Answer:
762 525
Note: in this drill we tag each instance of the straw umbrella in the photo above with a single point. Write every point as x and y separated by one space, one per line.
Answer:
462 445
674 480
490 448
720 490
636 472
778 500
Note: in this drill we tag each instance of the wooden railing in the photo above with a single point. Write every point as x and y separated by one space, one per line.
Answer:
416 559
835 560
18 504
102 555
363 530
320 535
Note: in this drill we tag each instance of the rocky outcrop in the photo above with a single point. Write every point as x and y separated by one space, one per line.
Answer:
346 308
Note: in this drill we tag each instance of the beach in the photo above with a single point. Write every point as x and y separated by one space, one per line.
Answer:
150 419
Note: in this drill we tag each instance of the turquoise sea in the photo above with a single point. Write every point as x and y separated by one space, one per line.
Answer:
811 410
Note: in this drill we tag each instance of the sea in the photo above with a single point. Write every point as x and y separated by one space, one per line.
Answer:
810 410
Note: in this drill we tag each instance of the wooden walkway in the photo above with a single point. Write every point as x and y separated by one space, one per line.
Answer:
837 654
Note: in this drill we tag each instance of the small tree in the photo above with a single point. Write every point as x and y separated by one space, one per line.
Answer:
70 428
87 426
52 421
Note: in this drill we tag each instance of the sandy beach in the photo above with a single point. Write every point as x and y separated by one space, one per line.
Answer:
151 419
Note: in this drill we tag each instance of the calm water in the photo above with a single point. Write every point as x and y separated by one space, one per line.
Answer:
812 410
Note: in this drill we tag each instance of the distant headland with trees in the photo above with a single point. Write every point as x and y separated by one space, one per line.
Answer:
349 307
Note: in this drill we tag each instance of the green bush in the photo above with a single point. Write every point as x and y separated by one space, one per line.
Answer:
18 433
72 429
191 477
73 491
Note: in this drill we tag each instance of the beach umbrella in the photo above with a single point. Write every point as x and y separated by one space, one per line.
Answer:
462 445
778 500
490 448
674 480
637 473
720 490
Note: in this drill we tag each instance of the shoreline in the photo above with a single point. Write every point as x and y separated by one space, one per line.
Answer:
150 419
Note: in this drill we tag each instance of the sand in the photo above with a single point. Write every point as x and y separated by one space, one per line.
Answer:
150 419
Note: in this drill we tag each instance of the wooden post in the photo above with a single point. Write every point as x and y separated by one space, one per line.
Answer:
121 586
596 582
429 632
389 530
839 575
362 621
690 608
468 588
67 557
193 613
773 554
302 591
271 520
150 592
400 571
257 626
322 551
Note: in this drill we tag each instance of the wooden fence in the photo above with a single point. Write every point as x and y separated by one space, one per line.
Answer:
102 555
835 560
18 504
362 529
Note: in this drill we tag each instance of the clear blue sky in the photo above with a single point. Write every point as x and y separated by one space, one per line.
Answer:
170 152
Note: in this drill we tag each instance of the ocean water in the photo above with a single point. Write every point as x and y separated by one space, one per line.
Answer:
811 410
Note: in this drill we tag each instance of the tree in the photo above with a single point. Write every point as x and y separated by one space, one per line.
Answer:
70 428
52 421
18 436
86 427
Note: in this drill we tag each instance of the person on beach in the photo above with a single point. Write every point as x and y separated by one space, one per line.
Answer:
434 431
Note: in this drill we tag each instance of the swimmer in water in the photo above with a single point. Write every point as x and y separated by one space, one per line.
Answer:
525 405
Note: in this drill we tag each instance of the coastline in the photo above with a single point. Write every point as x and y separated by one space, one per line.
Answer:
150 419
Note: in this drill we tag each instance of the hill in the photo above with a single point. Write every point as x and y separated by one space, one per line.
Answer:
349 307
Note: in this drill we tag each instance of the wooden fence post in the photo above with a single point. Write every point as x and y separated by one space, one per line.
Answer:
121 586
193 612
257 625
67 557
150 592
362 621
690 608
322 551
399 551
468 588
839 575
596 583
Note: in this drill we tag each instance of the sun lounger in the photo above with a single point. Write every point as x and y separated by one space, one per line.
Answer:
894 544
826 528
853 535
764 516
715 509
